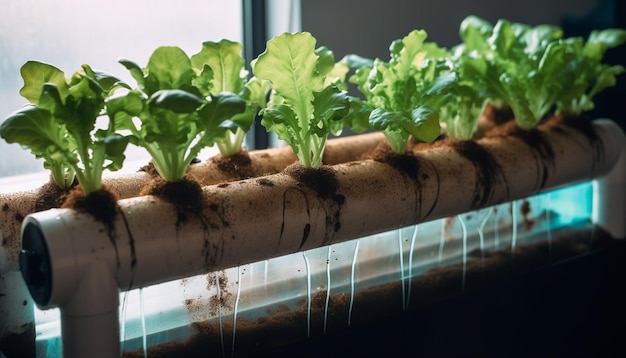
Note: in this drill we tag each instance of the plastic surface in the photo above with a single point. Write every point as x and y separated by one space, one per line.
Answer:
610 195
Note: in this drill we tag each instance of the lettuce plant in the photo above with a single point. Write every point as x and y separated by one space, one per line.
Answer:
222 69
306 104
534 69
402 96
587 75
171 113
63 124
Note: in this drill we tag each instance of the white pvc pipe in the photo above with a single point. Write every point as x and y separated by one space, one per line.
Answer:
261 218
609 198
91 316
17 323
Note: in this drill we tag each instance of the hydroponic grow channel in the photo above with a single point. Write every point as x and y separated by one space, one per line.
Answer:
242 291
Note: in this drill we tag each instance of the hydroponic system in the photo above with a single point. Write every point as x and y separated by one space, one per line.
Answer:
468 163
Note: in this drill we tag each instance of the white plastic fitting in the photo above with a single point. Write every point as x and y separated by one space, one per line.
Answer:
609 198
61 272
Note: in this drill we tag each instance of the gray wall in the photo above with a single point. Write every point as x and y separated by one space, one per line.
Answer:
367 27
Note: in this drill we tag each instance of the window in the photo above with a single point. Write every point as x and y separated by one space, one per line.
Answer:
70 33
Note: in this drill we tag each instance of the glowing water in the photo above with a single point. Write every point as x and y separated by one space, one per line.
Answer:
481 235
411 251
442 238
352 280
513 228
548 228
402 275
123 308
328 250
308 294
144 335
464 239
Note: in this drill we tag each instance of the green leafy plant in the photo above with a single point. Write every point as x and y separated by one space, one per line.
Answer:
306 103
462 112
172 113
63 124
587 75
222 69
534 69
402 96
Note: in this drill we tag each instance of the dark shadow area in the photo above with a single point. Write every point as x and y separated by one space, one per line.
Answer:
572 309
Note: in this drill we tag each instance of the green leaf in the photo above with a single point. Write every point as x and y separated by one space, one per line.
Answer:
168 68
175 100
222 106
533 69
358 116
330 107
601 40
326 60
424 125
204 80
35 75
282 120
423 122
221 69
290 64
135 71
418 75
305 105
114 148
225 61
34 128
355 61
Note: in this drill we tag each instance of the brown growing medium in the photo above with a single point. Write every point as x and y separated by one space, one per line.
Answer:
487 168
324 182
150 169
323 179
406 163
237 166
492 116
284 326
219 302
185 195
101 204
51 196
498 115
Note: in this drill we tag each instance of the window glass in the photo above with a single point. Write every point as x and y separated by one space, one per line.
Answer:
70 33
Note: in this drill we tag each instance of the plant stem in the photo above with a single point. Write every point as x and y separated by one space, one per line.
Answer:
231 144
